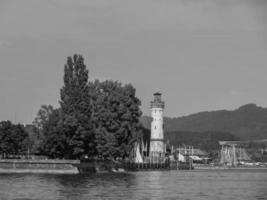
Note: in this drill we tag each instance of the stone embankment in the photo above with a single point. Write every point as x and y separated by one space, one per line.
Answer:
39 166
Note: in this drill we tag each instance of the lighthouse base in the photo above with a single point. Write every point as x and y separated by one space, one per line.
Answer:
157 146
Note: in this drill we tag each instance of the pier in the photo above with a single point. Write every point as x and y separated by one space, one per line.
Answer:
132 166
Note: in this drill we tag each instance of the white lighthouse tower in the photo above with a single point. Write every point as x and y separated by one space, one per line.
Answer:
157 146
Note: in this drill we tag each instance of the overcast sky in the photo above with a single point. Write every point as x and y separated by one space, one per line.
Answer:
201 54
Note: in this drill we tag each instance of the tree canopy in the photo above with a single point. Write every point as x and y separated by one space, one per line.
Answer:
95 119
76 108
13 138
115 116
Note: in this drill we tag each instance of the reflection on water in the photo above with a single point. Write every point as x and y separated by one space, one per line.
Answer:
140 185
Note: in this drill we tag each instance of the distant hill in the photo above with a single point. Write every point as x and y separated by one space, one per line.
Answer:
247 122
207 141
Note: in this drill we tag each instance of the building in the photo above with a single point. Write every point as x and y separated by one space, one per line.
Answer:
157 146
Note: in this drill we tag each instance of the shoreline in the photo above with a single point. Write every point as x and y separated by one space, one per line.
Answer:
48 166
228 168
38 171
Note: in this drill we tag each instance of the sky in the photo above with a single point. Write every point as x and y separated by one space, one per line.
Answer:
201 54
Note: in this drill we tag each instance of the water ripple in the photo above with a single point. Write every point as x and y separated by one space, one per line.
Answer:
139 185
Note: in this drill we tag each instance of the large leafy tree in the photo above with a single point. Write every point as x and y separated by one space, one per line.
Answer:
115 117
76 108
51 135
56 137
13 138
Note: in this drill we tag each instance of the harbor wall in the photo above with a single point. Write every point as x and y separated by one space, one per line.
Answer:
39 166
100 166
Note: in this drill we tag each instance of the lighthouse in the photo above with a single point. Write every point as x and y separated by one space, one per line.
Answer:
157 135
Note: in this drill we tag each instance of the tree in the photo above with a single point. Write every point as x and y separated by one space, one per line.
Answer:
115 117
37 131
13 138
55 142
42 116
76 108
67 130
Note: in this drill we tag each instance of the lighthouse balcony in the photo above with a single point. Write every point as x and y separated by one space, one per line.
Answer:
157 104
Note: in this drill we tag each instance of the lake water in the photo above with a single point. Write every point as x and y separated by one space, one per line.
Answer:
196 184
